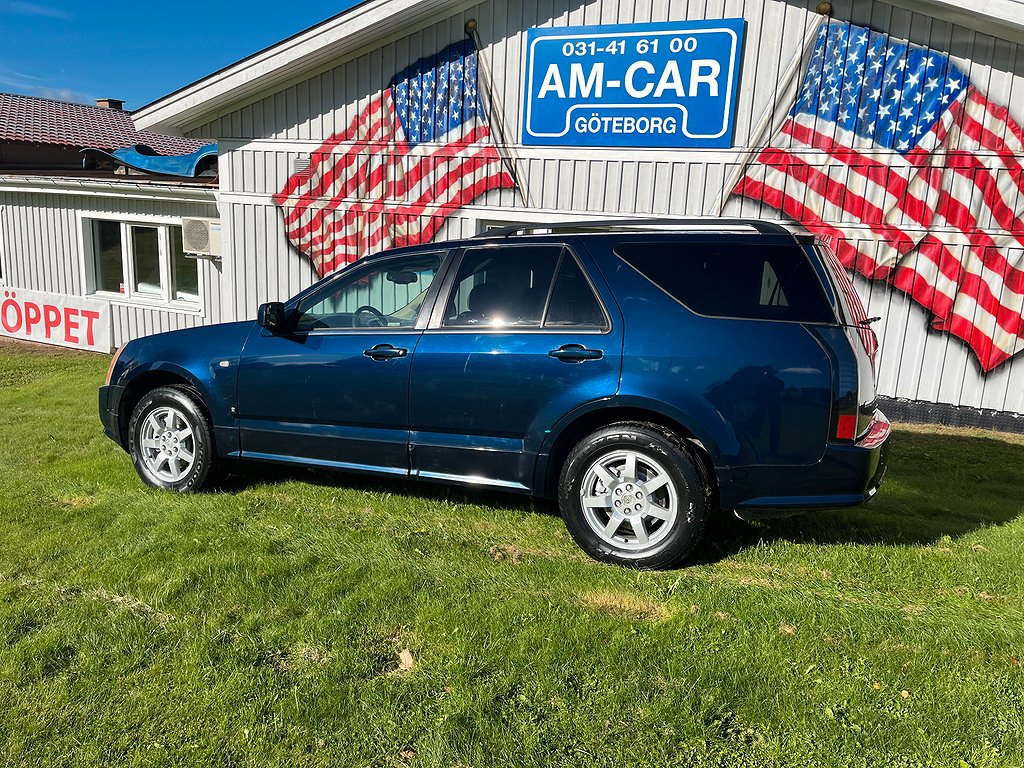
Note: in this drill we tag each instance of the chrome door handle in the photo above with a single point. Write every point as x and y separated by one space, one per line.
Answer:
384 352
575 353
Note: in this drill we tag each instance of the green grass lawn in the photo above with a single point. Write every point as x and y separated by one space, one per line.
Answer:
273 623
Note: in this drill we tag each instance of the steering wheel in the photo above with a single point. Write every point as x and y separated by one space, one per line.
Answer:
379 320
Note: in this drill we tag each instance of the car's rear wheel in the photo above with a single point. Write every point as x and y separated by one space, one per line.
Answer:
632 494
170 441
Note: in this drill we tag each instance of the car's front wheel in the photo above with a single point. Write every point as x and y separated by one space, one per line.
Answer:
170 441
631 494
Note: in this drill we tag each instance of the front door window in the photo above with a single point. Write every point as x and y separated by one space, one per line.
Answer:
388 295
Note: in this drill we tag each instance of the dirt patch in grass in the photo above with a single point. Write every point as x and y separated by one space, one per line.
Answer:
753 581
624 604
510 553
297 658
121 602
74 502
111 599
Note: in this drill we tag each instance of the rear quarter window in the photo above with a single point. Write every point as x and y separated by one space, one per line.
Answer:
736 280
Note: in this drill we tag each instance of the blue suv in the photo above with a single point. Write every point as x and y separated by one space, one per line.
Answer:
642 373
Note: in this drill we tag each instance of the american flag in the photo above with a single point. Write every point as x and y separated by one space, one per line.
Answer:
914 175
414 154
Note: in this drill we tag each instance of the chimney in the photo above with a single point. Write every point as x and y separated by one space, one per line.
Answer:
110 104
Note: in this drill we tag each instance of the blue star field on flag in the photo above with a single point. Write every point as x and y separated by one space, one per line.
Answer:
881 89
437 94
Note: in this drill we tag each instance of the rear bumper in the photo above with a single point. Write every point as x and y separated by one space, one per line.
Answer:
845 476
110 409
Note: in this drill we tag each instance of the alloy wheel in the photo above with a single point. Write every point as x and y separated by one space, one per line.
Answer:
629 500
168 444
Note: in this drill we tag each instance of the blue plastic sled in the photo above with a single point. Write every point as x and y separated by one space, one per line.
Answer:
146 159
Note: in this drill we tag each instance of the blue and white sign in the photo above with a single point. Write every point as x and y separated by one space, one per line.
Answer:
667 84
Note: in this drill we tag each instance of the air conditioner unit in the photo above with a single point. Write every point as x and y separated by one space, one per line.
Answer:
201 238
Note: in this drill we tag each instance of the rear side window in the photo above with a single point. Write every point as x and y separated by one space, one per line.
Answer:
522 287
573 303
740 280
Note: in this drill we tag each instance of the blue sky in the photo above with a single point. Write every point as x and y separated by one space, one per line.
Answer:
137 51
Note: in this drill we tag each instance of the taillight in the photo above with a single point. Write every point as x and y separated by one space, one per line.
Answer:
853 407
846 427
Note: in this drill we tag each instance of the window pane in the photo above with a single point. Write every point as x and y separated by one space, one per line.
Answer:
388 296
146 252
185 270
573 302
771 289
107 253
502 287
734 279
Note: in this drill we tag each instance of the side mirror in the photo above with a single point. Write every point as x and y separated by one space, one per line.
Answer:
271 316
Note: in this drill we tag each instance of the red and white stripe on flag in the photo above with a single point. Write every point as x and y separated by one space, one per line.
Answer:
368 189
969 269
943 223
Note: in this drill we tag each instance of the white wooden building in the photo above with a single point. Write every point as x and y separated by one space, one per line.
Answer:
272 113
113 243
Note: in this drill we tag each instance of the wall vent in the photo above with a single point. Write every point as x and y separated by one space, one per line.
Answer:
300 166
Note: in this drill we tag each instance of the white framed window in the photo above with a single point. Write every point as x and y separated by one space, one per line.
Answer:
139 261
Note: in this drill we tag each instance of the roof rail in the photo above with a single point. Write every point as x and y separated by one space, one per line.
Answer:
692 224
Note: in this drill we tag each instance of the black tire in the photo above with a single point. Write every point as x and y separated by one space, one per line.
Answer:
171 442
666 496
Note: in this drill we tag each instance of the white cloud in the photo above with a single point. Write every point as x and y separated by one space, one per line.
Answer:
19 82
19 8
12 79
62 94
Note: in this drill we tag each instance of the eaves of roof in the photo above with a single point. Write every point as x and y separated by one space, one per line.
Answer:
1002 19
136 188
306 51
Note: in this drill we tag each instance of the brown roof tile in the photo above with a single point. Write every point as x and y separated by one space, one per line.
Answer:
44 121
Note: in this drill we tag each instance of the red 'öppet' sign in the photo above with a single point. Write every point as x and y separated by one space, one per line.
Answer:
70 321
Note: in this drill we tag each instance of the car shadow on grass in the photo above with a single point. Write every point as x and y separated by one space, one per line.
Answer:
937 485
